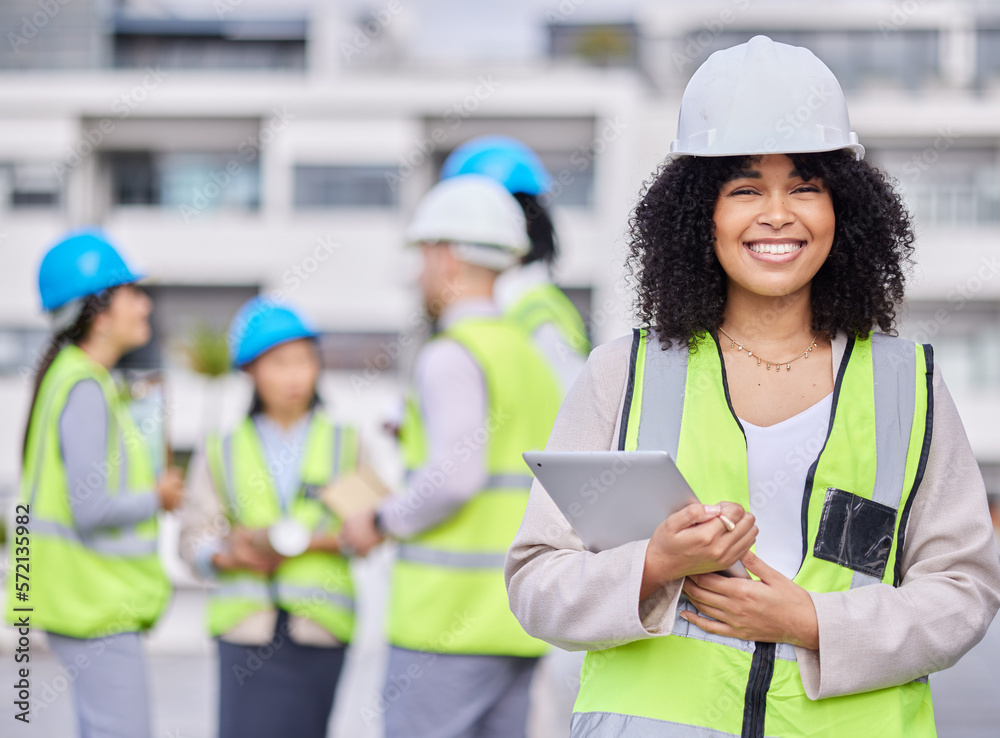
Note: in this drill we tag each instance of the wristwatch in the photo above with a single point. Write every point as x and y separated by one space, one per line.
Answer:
379 523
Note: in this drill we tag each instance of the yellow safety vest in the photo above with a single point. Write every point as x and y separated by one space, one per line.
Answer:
107 581
546 303
856 501
448 593
315 585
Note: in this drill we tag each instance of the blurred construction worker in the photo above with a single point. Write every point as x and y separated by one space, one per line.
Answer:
89 496
283 610
459 663
526 292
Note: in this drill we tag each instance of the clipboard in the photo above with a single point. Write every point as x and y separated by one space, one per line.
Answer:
354 493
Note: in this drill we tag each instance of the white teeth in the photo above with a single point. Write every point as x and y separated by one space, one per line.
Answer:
775 248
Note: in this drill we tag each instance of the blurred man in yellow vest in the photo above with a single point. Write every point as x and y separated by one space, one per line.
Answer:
460 664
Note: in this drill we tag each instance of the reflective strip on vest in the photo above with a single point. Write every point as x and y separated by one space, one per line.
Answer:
244 590
517 482
227 466
663 380
895 408
125 543
493 482
450 559
783 651
337 434
613 725
263 593
289 592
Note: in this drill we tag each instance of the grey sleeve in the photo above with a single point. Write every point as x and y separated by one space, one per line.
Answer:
83 436
452 396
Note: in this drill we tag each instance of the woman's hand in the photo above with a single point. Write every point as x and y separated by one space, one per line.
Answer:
696 540
243 553
773 610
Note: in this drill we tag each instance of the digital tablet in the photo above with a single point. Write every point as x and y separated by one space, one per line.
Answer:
614 497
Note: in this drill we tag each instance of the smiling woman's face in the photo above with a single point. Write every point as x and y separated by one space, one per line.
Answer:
773 229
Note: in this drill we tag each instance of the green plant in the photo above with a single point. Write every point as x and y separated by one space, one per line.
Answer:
604 45
207 351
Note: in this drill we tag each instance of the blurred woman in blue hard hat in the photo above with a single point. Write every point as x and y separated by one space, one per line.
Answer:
770 261
283 610
526 293
89 497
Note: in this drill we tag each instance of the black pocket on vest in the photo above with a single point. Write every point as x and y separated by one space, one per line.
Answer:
855 532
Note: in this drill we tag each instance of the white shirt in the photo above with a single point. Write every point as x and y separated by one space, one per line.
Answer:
778 459
284 450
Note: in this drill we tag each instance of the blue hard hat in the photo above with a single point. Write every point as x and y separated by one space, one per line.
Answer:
83 263
259 326
503 158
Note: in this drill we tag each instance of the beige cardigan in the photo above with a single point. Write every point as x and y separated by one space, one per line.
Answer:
870 638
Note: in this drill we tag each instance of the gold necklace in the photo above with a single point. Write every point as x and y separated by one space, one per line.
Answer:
777 364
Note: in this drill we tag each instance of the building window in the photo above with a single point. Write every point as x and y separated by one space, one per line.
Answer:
344 187
988 53
945 186
966 341
200 181
179 43
29 185
572 174
907 59
21 349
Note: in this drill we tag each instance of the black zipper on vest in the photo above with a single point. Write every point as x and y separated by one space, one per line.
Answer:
759 681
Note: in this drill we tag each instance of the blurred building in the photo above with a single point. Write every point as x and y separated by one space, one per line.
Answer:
232 154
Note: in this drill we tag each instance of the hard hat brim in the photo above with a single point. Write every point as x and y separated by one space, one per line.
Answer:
857 149
128 278
240 362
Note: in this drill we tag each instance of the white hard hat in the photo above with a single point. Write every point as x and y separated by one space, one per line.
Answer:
763 97
476 215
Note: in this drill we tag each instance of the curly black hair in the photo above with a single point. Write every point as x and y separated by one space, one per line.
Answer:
682 287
